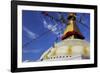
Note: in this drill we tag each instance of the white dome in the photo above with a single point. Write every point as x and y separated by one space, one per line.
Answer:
66 48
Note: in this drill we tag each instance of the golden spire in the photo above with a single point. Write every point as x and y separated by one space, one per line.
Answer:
72 30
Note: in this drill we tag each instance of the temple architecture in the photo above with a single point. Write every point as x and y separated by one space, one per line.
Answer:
73 46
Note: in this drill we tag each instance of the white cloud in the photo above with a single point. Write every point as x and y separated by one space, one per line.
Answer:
30 33
49 26
26 61
53 28
45 23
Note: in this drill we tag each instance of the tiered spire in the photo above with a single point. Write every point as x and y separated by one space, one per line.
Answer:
72 30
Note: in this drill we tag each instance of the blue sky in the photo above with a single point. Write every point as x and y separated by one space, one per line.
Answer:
39 32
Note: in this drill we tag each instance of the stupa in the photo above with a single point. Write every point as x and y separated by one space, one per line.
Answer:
73 45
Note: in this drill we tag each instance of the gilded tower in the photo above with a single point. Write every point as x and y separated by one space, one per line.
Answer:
72 46
72 30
